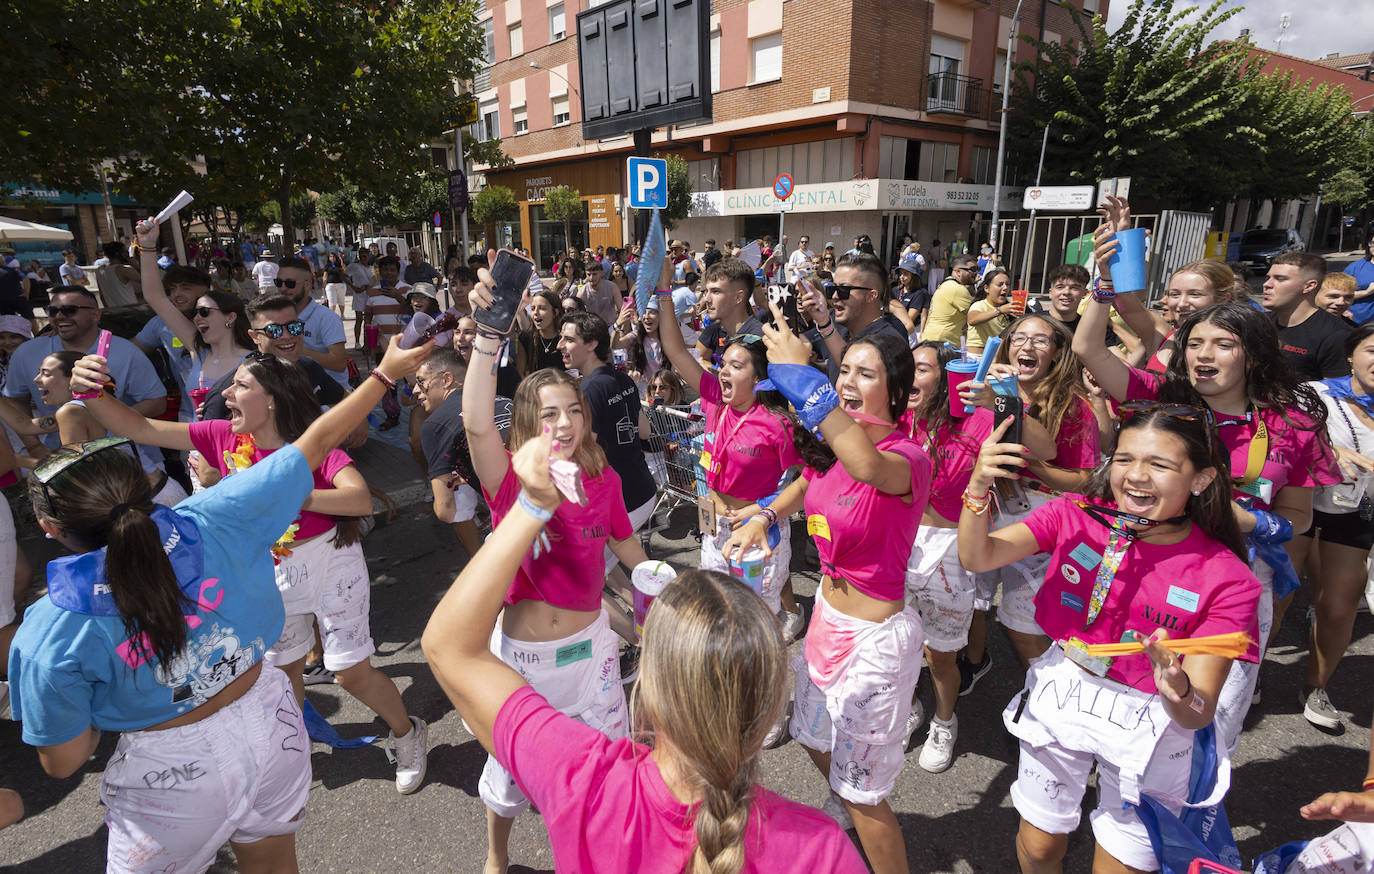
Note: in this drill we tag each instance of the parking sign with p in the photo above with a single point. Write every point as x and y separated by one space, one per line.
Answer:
648 183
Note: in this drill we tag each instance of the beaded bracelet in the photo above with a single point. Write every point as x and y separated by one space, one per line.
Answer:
770 514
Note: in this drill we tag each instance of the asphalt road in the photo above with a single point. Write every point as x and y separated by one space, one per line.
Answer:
958 821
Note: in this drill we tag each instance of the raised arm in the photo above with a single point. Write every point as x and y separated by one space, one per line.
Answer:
479 393
457 640
981 550
92 372
1090 339
670 332
887 472
153 293
812 302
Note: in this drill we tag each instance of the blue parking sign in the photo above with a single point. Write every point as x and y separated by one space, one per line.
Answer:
648 183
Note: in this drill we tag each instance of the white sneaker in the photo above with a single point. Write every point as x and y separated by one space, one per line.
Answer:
913 721
410 755
792 625
937 754
835 809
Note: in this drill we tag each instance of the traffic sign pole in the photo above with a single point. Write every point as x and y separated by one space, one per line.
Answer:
782 189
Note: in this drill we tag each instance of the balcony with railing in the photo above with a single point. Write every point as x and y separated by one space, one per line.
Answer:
952 94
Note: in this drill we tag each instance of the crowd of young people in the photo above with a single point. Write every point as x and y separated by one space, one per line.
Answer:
1172 478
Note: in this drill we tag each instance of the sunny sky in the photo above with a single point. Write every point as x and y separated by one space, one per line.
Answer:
1318 27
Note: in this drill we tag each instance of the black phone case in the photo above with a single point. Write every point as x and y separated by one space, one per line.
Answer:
1004 408
512 276
785 296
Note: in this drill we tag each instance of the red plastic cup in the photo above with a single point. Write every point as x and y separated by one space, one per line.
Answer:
958 372
372 336
198 396
1018 301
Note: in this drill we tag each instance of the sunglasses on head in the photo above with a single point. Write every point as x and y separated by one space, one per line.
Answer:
285 283
67 310
273 331
63 459
1184 412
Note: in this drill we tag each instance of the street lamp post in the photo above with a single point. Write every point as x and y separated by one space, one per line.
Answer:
1002 131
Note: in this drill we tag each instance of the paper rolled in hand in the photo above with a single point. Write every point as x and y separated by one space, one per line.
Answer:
1232 646
171 209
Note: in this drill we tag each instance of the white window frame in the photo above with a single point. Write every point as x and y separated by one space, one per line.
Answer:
557 11
715 60
566 113
489 120
515 39
771 43
520 120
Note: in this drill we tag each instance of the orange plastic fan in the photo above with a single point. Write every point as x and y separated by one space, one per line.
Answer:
1231 646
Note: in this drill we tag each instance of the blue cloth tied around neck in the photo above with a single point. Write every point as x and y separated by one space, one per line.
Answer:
807 389
77 583
1343 387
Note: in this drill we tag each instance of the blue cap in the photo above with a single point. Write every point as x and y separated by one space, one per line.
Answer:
910 264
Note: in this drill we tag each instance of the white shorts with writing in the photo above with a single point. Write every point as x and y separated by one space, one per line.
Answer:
775 571
321 583
580 677
241 774
939 588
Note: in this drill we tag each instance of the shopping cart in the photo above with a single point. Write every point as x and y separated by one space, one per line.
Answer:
673 451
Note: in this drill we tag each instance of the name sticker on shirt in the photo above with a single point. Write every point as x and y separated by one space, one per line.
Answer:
1070 600
817 526
1182 599
573 652
1085 556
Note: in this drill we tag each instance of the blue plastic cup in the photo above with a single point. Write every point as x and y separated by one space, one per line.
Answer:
1128 261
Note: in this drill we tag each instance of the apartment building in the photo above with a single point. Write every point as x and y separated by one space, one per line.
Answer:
884 113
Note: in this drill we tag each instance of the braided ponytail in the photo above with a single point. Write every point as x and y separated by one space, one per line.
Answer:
712 685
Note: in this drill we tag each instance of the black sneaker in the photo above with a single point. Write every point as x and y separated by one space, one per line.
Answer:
970 674
317 674
629 664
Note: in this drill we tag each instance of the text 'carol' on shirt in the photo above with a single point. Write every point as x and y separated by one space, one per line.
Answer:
570 572
864 535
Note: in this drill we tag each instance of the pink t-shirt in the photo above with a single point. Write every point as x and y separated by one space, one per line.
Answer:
608 810
572 572
1077 438
953 455
213 438
749 450
1192 588
1298 454
864 535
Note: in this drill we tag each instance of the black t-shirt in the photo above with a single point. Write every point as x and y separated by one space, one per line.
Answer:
327 389
886 323
916 299
1316 347
715 339
546 353
445 443
614 402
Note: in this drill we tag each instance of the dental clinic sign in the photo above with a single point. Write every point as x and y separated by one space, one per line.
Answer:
857 194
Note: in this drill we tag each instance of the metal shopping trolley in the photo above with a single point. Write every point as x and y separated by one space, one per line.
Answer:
673 451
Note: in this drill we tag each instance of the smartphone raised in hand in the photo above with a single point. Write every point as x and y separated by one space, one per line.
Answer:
511 274
785 297
1004 408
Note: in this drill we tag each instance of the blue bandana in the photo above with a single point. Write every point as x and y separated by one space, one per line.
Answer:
77 583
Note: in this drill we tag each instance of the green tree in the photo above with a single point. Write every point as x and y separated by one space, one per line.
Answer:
564 204
494 205
340 206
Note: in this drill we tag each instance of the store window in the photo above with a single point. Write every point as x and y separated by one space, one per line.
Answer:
549 237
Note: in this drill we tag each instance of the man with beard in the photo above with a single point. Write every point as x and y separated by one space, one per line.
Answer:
859 298
439 389
75 317
947 321
324 331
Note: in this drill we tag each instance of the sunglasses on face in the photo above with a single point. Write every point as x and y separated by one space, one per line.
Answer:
273 331
63 459
204 312
285 283
841 292
66 310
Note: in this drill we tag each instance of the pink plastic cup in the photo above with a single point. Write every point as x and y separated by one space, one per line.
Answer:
958 372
